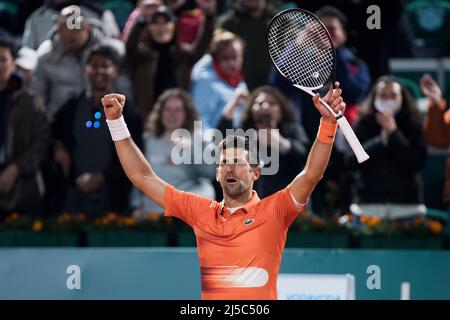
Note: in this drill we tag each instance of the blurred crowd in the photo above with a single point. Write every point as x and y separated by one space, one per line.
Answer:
178 61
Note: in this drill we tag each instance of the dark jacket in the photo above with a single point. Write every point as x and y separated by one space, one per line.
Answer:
392 173
118 185
142 60
290 164
26 142
353 76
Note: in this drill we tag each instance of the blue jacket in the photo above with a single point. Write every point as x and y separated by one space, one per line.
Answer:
353 75
209 92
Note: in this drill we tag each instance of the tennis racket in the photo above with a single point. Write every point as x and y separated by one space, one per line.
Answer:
301 49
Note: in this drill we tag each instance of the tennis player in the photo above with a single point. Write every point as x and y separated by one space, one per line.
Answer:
241 239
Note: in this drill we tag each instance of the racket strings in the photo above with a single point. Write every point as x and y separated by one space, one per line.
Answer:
301 49
303 52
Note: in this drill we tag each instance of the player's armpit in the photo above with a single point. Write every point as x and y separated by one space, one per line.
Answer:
302 186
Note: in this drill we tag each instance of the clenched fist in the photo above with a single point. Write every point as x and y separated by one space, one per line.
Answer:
113 105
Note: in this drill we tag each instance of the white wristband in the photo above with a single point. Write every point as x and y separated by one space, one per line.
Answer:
118 128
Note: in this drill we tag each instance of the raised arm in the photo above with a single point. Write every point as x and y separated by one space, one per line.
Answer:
437 120
133 162
200 46
319 155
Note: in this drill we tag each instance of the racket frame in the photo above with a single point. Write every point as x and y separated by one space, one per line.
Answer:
348 132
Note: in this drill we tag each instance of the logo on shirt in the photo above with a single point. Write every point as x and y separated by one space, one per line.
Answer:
249 221
218 278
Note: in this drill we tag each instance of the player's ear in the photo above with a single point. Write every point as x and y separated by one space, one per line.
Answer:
217 174
256 172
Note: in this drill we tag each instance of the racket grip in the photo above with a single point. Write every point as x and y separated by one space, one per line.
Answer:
353 141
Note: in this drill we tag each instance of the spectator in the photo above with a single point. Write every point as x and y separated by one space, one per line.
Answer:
173 110
24 139
144 8
156 61
249 19
351 72
217 77
267 108
39 26
437 125
82 147
59 73
189 19
390 132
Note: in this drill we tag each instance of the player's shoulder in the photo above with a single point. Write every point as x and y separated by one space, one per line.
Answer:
190 197
275 198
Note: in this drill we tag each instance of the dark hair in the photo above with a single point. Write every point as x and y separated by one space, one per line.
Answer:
7 41
408 109
106 51
330 11
154 121
241 142
287 110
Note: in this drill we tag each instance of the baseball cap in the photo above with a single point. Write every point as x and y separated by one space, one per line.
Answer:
164 11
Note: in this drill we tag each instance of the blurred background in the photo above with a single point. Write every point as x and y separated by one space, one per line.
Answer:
178 61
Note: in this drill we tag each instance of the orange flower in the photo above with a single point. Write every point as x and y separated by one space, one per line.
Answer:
154 216
15 215
130 221
364 219
63 217
112 216
350 216
435 226
373 221
12 217
104 220
37 225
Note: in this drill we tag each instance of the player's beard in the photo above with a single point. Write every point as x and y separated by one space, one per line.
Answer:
235 190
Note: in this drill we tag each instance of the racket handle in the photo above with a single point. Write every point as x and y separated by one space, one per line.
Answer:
353 141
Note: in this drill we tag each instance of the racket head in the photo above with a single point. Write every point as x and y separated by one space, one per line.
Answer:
301 49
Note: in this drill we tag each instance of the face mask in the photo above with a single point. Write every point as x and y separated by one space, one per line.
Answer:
383 105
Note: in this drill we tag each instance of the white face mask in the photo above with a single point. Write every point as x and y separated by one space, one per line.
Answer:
383 105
